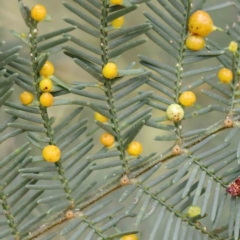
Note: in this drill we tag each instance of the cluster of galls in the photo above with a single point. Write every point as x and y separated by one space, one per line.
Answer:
45 85
107 140
199 26
50 153
118 22
175 112
225 75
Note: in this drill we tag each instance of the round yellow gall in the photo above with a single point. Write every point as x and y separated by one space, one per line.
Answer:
116 2
187 99
99 117
134 148
175 112
225 75
110 70
26 98
195 43
200 23
118 22
46 85
107 139
51 153
38 12
130 237
193 211
47 69
46 99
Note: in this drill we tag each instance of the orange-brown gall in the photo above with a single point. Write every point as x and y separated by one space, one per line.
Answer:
69 214
176 150
124 180
228 122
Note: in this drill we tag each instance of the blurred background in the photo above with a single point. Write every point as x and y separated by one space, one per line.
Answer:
68 71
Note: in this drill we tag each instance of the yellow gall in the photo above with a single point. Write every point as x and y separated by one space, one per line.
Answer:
193 211
195 42
107 139
124 180
47 69
51 153
200 23
130 237
187 99
233 46
46 85
110 70
99 117
118 22
46 99
38 12
116 2
225 75
134 149
26 98
228 122
69 214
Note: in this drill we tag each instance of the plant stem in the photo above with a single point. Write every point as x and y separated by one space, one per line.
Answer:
179 66
44 114
108 86
179 214
235 81
8 214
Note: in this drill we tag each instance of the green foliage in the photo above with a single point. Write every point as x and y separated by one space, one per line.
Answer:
109 193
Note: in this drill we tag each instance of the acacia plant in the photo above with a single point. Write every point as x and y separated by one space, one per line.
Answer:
59 184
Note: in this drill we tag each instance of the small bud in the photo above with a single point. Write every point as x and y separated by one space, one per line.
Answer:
69 214
23 35
233 46
124 180
228 122
194 211
176 150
